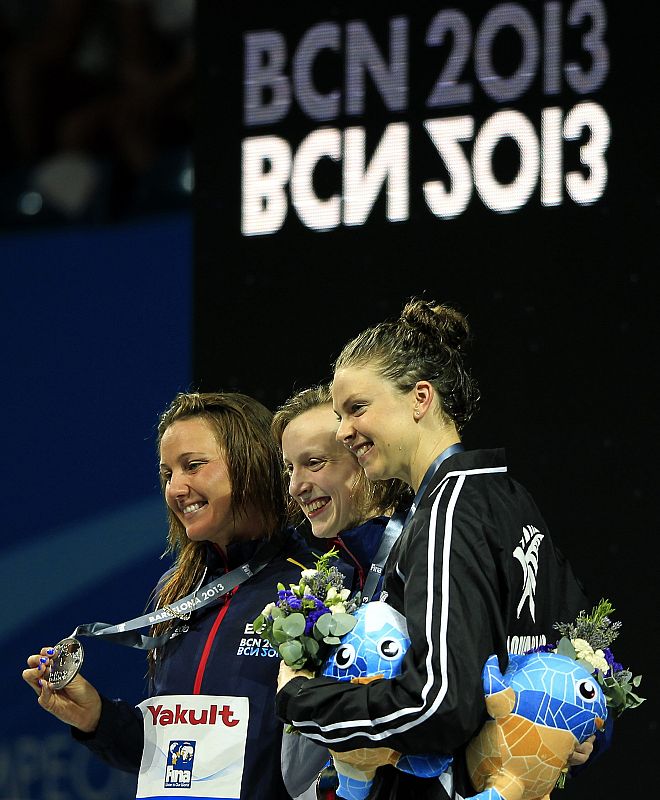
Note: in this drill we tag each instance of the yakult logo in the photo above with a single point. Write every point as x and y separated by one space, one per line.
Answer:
180 759
189 716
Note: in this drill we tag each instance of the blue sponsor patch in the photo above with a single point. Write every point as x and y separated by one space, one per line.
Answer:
180 759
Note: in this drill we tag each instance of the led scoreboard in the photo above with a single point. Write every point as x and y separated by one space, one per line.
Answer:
463 83
471 150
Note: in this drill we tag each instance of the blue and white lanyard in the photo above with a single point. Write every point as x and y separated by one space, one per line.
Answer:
398 522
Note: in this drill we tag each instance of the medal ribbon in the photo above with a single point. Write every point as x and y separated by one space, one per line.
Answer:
126 633
428 476
397 523
390 535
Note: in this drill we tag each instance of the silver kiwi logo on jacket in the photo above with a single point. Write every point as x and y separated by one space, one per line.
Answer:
527 554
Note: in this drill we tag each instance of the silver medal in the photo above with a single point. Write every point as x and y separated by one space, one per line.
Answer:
66 663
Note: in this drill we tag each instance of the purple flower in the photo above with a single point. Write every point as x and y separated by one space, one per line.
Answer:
288 600
614 665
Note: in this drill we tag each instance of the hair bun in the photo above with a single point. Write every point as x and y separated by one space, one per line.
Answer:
437 320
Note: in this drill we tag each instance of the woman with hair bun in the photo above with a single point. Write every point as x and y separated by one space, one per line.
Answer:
474 571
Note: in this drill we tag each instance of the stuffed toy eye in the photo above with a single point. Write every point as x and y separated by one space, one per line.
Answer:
389 648
345 656
587 690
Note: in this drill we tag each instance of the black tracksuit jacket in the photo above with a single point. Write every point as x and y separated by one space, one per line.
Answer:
474 572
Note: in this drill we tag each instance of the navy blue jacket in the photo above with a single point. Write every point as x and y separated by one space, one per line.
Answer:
357 548
216 652
302 759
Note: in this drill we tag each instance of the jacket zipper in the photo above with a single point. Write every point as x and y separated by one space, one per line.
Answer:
197 688
206 652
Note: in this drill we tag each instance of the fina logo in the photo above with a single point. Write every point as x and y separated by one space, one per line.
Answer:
180 758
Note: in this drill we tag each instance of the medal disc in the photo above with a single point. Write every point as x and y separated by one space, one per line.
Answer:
66 663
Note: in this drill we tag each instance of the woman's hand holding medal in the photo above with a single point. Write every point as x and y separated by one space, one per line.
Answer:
77 704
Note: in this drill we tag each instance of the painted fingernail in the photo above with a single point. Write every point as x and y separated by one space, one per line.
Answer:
43 660
39 682
50 651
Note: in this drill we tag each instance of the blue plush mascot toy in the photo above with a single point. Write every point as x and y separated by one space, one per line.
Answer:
374 649
540 709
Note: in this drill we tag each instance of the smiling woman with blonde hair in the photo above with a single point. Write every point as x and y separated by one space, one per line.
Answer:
305 427
329 491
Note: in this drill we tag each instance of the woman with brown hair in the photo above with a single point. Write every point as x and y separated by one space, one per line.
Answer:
208 728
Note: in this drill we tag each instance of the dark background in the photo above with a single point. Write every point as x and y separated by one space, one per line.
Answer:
104 319
96 265
562 300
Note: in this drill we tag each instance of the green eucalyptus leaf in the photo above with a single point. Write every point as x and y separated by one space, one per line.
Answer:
343 623
637 680
324 625
294 625
258 624
565 648
279 636
311 645
291 652
331 640
617 694
276 612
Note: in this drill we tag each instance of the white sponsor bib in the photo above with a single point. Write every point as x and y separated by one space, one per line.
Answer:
194 746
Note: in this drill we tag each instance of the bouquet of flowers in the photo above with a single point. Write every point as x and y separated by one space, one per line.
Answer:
308 618
588 641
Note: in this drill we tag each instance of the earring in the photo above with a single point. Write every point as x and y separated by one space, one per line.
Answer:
416 414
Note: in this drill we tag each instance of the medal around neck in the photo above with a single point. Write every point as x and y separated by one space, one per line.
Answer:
66 662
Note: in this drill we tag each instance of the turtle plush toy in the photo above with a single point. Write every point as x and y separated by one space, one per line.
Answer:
541 708
374 649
